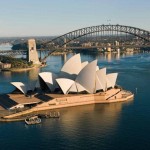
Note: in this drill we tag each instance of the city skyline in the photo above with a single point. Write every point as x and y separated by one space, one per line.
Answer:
53 18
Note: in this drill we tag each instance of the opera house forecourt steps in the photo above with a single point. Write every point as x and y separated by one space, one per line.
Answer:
83 84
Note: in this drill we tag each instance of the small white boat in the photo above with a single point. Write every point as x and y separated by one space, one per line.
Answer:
33 120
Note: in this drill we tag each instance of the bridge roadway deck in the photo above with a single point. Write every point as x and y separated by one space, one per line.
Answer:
88 47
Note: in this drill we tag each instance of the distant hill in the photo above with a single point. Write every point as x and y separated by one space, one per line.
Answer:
24 46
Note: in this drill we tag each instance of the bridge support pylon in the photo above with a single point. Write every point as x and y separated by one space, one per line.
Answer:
32 52
65 45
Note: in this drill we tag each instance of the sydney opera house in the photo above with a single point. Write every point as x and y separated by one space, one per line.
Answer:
74 77
77 83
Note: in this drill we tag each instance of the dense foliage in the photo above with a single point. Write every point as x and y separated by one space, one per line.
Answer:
20 46
24 46
16 62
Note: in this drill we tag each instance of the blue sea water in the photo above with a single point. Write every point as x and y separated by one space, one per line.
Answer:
116 126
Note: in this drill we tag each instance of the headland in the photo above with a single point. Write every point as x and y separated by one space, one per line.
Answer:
58 101
83 84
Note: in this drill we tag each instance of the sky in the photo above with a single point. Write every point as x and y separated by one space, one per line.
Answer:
57 17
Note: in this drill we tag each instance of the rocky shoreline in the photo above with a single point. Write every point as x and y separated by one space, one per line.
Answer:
23 69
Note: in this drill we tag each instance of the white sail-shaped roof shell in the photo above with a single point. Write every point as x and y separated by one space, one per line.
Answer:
73 65
76 87
73 88
65 84
112 77
84 64
50 79
20 86
80 88
101 75
86 77
98 84
97 68
109 84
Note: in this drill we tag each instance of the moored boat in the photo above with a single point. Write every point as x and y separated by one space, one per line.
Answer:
32 120
53 115
50 115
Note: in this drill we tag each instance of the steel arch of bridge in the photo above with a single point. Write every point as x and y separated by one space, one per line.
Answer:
68 37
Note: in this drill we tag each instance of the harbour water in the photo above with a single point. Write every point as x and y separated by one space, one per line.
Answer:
124 126
5 46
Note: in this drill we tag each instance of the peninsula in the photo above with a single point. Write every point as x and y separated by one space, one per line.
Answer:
78 83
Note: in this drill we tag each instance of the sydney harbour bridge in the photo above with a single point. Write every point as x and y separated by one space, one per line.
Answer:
101 36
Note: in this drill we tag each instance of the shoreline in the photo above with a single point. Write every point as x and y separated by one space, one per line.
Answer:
59 101
23 69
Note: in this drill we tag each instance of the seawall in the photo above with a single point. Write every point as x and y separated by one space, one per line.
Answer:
111 96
